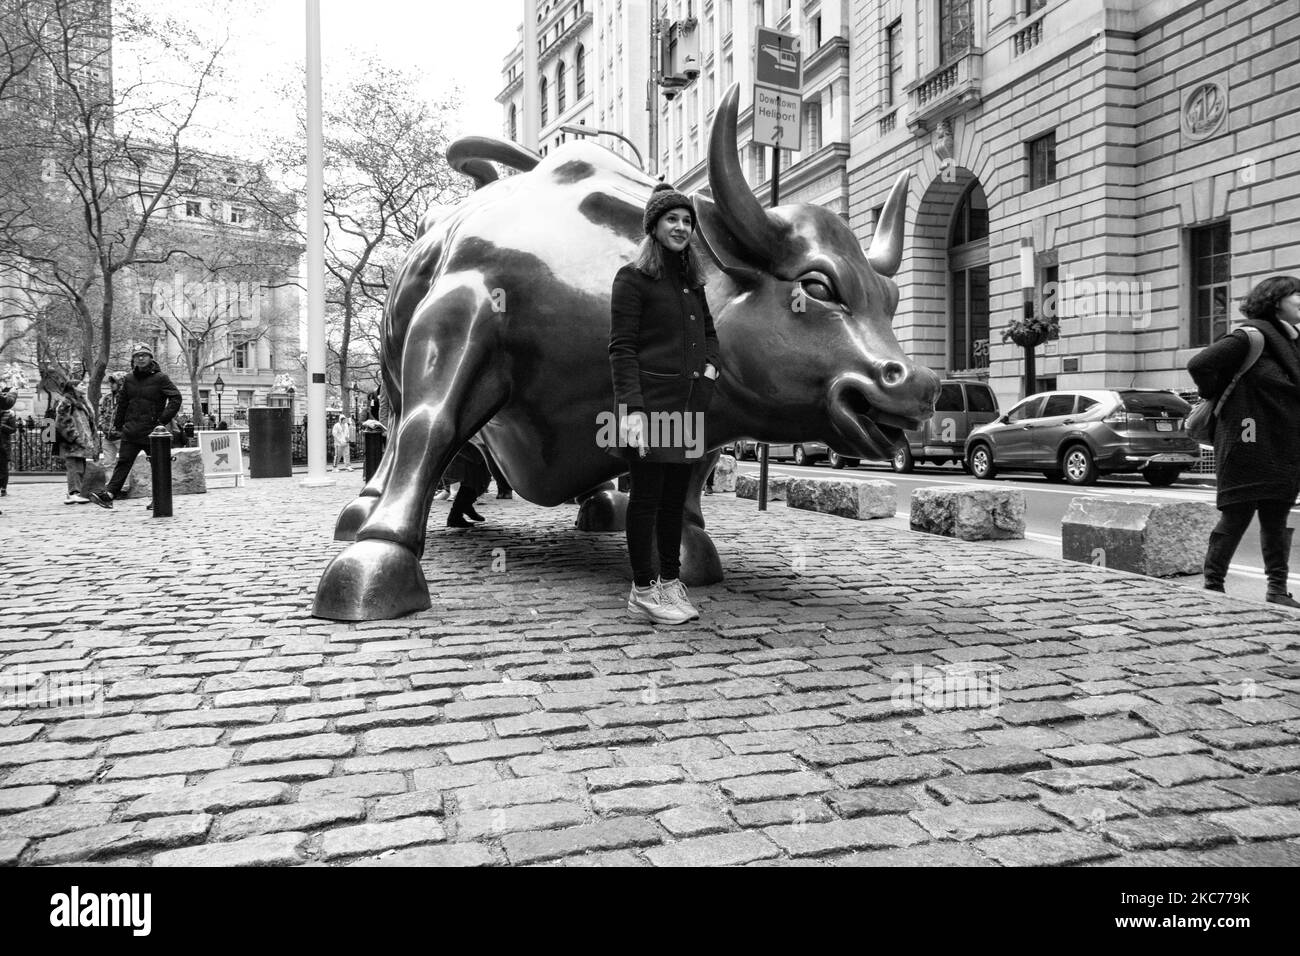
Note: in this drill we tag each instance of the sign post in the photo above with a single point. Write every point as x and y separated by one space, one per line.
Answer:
778 106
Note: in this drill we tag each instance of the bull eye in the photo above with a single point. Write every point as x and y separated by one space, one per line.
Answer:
819 287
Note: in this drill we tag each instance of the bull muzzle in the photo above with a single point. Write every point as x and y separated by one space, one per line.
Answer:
870 411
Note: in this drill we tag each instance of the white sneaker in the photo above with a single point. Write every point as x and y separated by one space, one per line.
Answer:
653 604
441 495
675 592
69 499
78 500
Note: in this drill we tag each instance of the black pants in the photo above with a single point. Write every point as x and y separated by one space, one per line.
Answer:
1273 540
4 468
654 508
126 452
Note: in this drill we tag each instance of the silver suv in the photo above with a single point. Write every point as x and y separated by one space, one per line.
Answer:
1077 436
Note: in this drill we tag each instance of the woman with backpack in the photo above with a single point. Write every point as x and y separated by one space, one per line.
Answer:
1257 432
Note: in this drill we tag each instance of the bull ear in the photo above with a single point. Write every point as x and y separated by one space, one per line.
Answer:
727 251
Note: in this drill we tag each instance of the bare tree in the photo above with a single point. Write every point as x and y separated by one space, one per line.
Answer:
385 165
94 159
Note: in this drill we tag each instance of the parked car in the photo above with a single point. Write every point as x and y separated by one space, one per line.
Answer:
1077 436
960 407
801 453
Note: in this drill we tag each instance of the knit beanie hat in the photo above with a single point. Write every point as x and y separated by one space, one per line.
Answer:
142 347
662 199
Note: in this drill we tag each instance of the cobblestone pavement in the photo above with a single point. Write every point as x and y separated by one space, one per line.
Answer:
1057 713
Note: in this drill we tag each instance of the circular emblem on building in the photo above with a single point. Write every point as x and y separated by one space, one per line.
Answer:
1204 110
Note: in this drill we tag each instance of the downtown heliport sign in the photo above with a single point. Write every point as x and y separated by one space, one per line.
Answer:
778 78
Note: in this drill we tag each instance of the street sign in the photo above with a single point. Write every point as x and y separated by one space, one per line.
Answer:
776 118
221 454
779 64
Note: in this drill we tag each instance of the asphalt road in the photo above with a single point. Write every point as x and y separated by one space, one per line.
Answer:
1046 503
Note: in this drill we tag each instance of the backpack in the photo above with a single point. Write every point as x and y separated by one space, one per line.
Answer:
1200 423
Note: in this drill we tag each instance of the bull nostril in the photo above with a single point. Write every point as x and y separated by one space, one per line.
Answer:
893 373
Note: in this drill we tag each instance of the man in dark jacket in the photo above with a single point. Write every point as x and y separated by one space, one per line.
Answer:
148 399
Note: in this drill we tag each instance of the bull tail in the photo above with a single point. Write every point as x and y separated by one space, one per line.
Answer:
473 156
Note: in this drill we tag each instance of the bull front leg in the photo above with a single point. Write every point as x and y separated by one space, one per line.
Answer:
450 389
603 508
354 515
699 556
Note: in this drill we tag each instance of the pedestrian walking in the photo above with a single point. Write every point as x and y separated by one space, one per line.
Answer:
1256 436
107 413
342 433
663 354
148 399
8 425
74 433
470 469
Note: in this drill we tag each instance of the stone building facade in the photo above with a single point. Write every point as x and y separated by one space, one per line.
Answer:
1131 164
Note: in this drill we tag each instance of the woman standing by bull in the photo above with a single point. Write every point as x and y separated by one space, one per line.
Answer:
1257 437
663 354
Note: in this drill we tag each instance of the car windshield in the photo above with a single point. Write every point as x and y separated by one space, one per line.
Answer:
1155 404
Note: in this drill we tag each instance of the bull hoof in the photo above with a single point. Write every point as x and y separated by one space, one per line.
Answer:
606 510
353 517
371 580
700 562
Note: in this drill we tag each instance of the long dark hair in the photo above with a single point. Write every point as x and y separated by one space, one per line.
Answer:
650 261
1261 302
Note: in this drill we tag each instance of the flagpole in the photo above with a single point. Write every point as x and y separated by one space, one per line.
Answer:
315 259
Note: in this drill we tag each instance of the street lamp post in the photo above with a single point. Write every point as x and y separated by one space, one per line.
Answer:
218 386
291 390
355 392
575 130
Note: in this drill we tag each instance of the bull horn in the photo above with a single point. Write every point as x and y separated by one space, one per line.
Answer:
741 212
886 252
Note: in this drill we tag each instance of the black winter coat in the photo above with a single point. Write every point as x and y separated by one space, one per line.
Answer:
147 400
661 336
1257 437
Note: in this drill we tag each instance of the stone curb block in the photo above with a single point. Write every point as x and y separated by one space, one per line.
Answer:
969 512
747 487
845 498
1146 536
725 474
187 474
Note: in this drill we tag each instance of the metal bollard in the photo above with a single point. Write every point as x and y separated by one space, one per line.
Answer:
160 465
375 440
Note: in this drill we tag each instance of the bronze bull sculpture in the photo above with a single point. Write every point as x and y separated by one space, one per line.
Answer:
496 329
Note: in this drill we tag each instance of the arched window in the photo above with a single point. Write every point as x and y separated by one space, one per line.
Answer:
580 72
514 122
968 268
559 87
546 113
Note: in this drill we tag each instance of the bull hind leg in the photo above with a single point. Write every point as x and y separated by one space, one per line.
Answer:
449 392
699 556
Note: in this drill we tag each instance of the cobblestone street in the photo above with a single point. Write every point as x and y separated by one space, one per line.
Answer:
527 719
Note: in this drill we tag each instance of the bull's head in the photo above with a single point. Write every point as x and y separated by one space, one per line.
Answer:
817 350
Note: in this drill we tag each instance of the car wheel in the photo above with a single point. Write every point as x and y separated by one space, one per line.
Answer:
980 462
903 461
834 458
1078 465
800 457
1161 477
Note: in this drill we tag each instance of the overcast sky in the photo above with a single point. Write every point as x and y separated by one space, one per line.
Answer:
448 43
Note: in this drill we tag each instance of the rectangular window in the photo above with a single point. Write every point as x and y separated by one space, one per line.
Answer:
1049 292
1041 156
242 355
956 29
194 349
1033 6
238 215
760 163
1211 248
813 114
817 32
894 62
244 397
193 209
146 303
